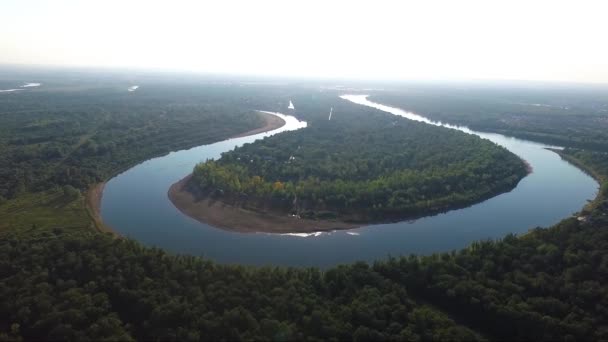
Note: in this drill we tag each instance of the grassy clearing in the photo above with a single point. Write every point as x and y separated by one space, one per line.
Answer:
44 210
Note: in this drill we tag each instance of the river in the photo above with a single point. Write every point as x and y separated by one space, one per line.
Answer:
136 205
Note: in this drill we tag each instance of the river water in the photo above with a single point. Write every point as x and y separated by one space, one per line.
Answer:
136 205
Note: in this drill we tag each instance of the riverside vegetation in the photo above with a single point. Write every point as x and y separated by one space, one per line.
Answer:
362 165
549 284
61 280
573 115
59 140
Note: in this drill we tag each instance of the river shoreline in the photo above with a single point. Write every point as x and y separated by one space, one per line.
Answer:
93 207
231 217
271 123
146 213
220 214
94 195
599 178
237 219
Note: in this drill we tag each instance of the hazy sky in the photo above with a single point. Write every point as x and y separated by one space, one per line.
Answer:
534 40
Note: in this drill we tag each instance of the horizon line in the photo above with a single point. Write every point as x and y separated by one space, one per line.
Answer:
203 73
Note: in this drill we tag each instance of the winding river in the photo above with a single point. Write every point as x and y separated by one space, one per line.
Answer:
136 205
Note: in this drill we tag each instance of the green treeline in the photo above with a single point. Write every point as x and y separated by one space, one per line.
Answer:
53 137
572 116
77 284
549 284
363 164
90 286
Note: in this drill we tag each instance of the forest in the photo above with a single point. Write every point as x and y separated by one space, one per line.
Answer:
549 284
62 280
361 165
77 130
573 115
55 138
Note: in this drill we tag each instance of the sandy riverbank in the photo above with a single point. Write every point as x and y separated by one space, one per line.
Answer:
93 206
233 218
271 122
95 193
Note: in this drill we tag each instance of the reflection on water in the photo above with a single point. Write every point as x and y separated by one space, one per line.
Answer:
26 85
135 203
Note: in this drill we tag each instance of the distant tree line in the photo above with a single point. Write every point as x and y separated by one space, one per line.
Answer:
573 116
80 137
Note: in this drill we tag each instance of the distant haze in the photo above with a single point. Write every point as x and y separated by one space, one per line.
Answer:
436 40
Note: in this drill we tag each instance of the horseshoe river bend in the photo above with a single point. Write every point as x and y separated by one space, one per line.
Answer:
135 205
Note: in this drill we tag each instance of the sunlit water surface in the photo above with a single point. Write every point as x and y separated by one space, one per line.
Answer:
135 204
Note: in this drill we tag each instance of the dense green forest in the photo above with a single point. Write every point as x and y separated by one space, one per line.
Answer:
95 287
361 165
549 284
573 115
80 137
76 130
61 280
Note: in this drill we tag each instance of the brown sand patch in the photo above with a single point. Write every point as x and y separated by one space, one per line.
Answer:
95 193
93 206
233 218
272 122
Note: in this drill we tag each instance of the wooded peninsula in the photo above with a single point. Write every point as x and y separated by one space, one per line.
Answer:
61 279
362 166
